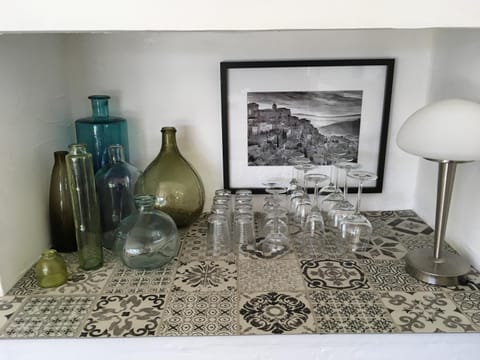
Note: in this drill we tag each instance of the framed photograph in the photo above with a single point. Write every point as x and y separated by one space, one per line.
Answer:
323 110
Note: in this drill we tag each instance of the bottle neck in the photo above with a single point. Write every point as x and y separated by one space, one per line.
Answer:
144 202
99 106
59 156
78 149
49 254
116 154
169 142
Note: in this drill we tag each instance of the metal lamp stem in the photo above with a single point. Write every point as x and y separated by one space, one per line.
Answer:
446 178
439 267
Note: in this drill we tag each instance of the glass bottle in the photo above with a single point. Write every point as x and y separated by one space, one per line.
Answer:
115 185
62 228
178 188
148 238
101 130
51 270
86 213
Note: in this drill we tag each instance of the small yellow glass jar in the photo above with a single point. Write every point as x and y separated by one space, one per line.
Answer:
51 270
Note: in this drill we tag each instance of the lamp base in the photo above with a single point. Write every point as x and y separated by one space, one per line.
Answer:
446 271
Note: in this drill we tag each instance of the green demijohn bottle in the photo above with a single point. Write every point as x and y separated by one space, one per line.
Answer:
176 185
86 214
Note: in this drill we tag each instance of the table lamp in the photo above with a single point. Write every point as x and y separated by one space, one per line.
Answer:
446 132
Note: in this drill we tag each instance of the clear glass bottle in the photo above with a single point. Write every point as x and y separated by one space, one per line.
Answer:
115 186
148 238
175 183
51 270
86 213
101 130
62 228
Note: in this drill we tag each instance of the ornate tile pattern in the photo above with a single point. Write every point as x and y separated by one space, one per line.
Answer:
206 276
269 275
210 313
333 274
383 248
8 306
468 302
131 281
275 313
124 315
343 311
391 275
425 312
49 316
410 226
316 286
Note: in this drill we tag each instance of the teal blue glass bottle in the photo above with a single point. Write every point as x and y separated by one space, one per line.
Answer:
101 130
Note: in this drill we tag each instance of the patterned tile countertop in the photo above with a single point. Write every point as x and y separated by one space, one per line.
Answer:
205 293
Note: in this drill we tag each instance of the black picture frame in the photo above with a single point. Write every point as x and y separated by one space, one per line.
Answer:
279 78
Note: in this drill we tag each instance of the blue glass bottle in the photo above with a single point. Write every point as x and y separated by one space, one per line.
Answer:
101 130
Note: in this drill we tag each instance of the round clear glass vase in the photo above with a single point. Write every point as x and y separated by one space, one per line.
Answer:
148 238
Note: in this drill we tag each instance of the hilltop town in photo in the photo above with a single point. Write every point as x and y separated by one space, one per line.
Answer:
316 124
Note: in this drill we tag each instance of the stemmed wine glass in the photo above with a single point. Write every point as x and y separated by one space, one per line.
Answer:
304 204
343 207
314 224
355 228
333 150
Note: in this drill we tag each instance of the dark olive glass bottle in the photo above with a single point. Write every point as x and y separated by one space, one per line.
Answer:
62 227
176 185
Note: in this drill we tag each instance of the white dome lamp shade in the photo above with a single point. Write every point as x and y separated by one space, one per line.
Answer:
447 132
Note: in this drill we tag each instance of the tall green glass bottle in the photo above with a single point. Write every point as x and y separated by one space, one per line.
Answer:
176 185
86 213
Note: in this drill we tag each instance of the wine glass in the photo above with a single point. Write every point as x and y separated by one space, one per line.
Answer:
333 150
355 228
316 179
343 207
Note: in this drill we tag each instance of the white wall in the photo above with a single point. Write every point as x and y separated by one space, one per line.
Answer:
108 15
455 73
161 79
34 123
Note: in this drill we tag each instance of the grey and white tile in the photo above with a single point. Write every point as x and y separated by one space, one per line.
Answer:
269 275
213 275
124 315
200 313
468 302
390 275
275 313
49 316
131 281
409 225
333 274
382 248
345 311
9 304
27 284
82 282
425 312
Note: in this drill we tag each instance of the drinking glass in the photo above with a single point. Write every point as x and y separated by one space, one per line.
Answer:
276 241
314 225
244 232
342 208
355 228
333 150
218 234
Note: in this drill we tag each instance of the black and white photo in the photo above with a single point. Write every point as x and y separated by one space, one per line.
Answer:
322 110
284 125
